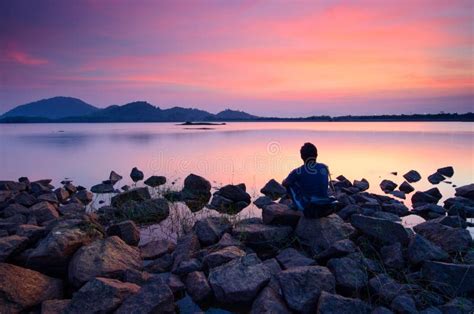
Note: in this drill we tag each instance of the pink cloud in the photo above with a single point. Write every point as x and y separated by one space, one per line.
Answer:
24 58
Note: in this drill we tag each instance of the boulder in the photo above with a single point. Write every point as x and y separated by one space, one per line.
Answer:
136 174
398 194
273 189
138 277
446 171
383 230
392 255
160 265
21 288
103 258
320 233
25 199
435 178
302 286
429 211
450 239
72 210
198 287
186 248
337 249
335 304
386 216
54 306
156 248
11 246
125 230
222 256
62 195
230 199
347 211
350 274
114 177
53 253
388 185
269 301
15 209
225 241
196 192
44 212
262 237
150 211
385 288
155 181
458 306
188 266
154 297
466 191
429 196
239 280
450 279
404 304
421 250
100 295
290 257
137 194
412 176
406 187
84 196
279 214
398 209
263 201
209 230
102 188
362 185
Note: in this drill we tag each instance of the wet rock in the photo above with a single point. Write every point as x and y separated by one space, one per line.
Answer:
466 191
450 239
404 304
136 175
269 301
337 249
273 189
198 287
186 248
156 248
406 187
21 288
125 230
350 274
392 256
388 185
446 171
137 194
412 176
421 250
335 304
84 196
54 306
230 199
450 279
188 266
239 281
264 237
196 192
103 258
154 297
11 245
155 181
44 212
52 253
114 177
385 288
319 234
102 188
278 214
209 230
435 178
100 295
263 201
223 256
290 257
362 185
302 286
383 230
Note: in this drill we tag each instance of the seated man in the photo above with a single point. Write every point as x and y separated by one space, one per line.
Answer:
308 185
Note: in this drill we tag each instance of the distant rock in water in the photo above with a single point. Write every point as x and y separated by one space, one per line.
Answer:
412 176
136 175
435 178
446 171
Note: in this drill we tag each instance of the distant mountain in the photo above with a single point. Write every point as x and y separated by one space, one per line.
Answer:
52 108
234 115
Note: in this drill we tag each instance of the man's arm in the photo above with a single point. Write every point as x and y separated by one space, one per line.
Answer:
290 179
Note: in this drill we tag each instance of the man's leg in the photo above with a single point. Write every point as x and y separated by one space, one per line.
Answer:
294 198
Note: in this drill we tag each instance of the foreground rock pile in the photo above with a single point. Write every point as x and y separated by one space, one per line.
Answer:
56 258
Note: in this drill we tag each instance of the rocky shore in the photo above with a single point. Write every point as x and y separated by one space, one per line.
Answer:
58 256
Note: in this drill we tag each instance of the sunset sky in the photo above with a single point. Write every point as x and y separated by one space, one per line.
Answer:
278 58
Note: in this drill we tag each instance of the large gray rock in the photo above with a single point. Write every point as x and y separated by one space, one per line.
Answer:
383 230
186 248
155 181
290 257
100 295
198 287
302 286
265 237
150 211
12 245
273 189
268 301
109 258
337 249
137 194
351 275
319 234
335 304
450 239
392 256
466 191
44 212
398 209
420 250
429 211
279 214
362 185
156 248
102 188
385 288
209 230
240 280
450 279
222 256
154 297
125 230
446 171
230 199
21 288
196 192
263 201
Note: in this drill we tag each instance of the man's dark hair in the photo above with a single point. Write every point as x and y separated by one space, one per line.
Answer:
308 152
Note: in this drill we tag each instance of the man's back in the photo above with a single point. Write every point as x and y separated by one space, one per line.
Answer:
310 180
